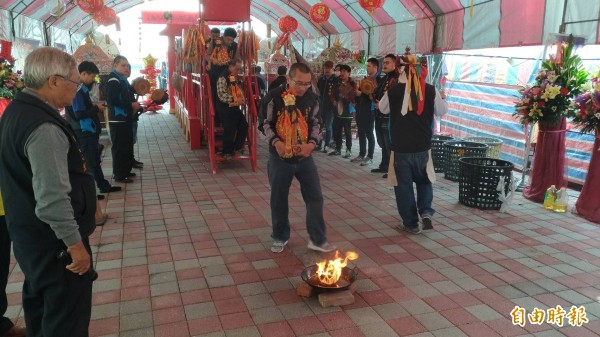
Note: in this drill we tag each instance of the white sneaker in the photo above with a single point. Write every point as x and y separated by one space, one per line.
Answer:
367 161
325 247
357 159
278 246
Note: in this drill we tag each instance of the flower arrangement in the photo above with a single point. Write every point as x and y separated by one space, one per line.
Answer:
548 99
10 81
586 111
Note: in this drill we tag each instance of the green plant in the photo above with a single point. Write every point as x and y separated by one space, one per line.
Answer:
560 79
10 81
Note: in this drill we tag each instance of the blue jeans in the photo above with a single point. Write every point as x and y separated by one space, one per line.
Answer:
328 126
409 168
281 173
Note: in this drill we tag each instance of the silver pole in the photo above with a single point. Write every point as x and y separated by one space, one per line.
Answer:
526 168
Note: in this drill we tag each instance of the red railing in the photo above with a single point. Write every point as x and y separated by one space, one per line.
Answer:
196 104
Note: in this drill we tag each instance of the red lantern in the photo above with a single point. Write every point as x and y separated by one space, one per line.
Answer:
371 5
319 13
106 16
90 6
288 24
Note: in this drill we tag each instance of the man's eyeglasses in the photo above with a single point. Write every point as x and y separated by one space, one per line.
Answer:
78 84
302 84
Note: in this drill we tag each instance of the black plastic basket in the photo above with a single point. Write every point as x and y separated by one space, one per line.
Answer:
454 150
437 152
479 179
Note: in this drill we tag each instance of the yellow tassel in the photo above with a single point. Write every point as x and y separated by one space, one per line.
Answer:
471 9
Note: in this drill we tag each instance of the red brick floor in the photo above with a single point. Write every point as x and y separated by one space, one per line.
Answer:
186 253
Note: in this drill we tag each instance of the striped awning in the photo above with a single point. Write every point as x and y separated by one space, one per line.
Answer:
425 25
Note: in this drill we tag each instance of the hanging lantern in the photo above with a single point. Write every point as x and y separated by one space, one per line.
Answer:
106 16
319 13
90 6
371 5
288 24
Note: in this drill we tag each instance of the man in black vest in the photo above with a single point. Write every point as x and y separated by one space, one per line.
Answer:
292 131
411 112
49 198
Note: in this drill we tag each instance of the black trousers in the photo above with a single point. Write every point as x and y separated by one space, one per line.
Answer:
5 323
364 123
340 124
235 129
121 136
56 302
89 146
383 140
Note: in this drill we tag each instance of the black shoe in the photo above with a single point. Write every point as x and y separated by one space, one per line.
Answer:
130 174
138 162
378 170
125 180
99 197
111 189
137 166
426 219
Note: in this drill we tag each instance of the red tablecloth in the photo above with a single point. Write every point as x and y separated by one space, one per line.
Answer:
548 161
588 204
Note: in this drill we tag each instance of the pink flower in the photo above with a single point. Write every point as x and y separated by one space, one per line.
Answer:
564 91
536 91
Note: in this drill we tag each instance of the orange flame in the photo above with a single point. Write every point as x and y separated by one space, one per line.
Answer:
329 272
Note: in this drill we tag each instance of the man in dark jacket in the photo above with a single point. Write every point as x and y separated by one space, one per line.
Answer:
121 109
292 131
365 117
326 85
280 80
382 121
83 118
49 198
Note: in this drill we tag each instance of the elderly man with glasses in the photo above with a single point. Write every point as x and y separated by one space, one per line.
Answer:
49 198
292 132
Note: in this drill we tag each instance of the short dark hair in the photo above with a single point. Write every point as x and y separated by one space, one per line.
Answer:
328 64
230 32
88 67
373 61
215 30
118 59
301 67
391 56
345 67
338 66
281 70
258 69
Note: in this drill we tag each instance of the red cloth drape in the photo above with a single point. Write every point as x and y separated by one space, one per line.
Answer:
588 204
548 161
3 104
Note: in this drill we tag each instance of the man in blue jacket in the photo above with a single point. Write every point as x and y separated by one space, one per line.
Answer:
83 118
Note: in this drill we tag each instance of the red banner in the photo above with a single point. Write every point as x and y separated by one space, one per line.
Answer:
234 10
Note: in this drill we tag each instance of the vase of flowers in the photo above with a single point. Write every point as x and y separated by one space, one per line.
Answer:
10 82
547 101
586 116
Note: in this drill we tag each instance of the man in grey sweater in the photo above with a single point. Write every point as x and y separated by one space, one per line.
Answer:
49 198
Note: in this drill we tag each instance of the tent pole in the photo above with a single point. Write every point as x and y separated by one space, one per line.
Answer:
563 27
369 42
